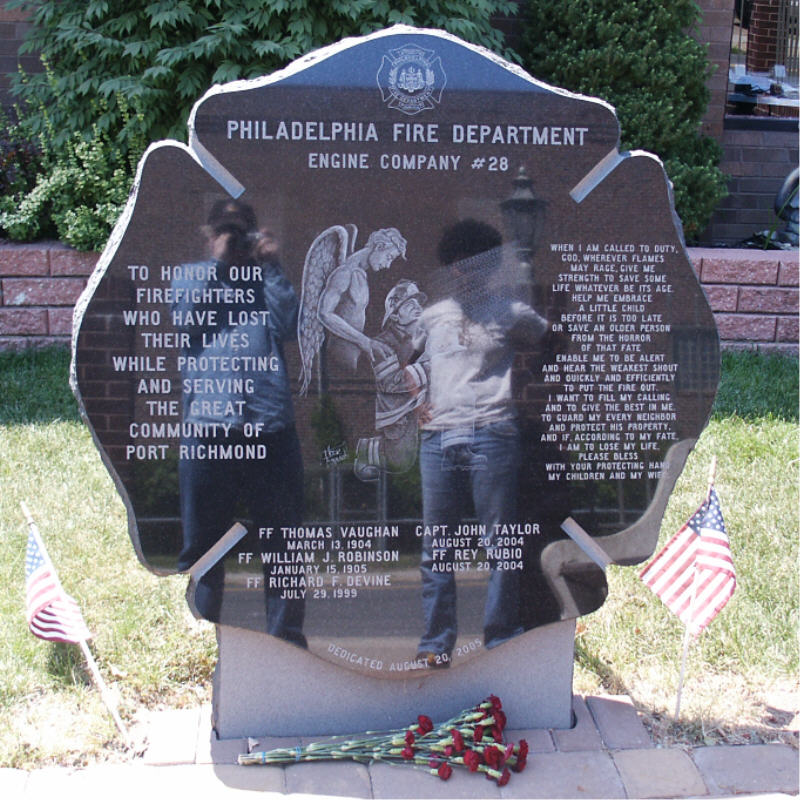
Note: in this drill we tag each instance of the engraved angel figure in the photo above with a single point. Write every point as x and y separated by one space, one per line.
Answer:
335 295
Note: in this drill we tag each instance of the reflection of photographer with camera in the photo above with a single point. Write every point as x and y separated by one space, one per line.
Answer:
241 455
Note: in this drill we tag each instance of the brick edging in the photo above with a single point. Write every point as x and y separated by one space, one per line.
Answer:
753 294
39 284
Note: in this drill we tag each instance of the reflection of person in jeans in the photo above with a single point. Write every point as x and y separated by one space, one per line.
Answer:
242 451
470 442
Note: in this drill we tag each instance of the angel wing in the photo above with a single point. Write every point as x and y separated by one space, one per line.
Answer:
326 253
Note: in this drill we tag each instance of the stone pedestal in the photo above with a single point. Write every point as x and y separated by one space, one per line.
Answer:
265 686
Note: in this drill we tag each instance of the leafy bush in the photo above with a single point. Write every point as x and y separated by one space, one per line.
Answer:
78 199
80 186
637 55
105 57
162 55
20 159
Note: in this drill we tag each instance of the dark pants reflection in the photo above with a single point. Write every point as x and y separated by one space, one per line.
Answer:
270 493
488 477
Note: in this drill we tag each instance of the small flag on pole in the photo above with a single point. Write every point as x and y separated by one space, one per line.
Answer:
52 614
693 574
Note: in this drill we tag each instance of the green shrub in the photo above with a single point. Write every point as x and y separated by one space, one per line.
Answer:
104 57
162 55
78 198
81 184
637 55
20 158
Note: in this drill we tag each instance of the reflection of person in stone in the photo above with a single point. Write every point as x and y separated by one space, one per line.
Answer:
244 454
470 447
343 304
399 385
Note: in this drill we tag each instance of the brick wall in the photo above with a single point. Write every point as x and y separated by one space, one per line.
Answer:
762 40
39 285
715 31
13 26
753 294
757 161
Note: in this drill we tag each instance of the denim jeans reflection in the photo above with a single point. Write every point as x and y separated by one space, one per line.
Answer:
481 464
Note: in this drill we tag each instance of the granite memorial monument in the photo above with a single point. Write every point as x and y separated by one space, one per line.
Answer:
393 359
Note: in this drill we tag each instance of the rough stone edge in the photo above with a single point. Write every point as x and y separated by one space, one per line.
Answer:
103 263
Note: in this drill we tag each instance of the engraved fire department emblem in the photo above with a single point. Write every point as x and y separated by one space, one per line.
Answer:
411 79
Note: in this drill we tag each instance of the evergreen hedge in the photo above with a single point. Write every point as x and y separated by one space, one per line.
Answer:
122 73
161 55
639 56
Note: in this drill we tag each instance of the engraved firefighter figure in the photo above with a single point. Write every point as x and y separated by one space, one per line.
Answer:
400 387
335 296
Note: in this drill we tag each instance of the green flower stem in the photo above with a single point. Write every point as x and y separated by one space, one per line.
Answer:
388 746
494 773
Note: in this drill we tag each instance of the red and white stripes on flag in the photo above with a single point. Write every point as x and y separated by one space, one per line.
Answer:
693 574
52 614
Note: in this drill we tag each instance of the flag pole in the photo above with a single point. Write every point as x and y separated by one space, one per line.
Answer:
104 692
91 663
686 631
712 475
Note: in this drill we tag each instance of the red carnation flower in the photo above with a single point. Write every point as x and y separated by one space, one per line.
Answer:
472 760
458 740
477 734
520 763
504 778
409 738
497 734
521 757
495 701
425 724
509 750
445 770
433 763
493 756
499 718
407 753
448 750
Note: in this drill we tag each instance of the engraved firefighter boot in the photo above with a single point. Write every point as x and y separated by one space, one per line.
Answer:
369 459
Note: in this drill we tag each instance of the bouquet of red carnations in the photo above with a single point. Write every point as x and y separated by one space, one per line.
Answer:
472 739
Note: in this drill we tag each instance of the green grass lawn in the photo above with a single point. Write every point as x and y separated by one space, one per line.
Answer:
146 642
154 654
748 656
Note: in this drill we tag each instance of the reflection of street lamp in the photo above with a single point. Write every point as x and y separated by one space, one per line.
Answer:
523 214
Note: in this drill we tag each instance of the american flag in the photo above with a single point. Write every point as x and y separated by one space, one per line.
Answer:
693 574
52 614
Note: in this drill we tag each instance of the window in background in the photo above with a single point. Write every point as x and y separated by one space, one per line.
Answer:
763 75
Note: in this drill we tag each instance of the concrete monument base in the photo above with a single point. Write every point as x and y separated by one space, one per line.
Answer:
263 686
